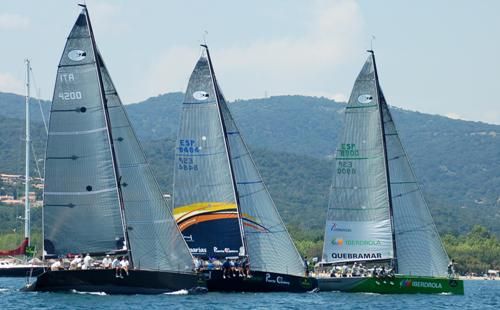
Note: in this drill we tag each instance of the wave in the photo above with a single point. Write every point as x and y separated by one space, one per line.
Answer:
89 293
179 292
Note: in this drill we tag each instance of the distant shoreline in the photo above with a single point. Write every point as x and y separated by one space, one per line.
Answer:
476 278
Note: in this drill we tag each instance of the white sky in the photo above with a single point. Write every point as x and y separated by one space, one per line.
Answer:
434 56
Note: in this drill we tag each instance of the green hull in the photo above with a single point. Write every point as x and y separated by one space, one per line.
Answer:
400 284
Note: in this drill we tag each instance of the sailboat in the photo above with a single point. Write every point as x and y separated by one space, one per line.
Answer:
23 268
100 194
377 215
221 204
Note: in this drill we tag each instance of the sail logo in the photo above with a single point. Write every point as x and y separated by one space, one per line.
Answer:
341 241
364 99
335 228
338 241
405 283
424 284
200 95
77 55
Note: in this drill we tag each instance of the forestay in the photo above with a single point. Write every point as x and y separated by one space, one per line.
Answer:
358 226
81 202
154 237
269 246
204 198
419 248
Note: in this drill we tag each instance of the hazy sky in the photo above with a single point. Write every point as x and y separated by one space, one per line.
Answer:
434 56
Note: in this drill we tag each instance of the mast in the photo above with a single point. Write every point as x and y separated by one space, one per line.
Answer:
27 158
110 135
386 163
231 169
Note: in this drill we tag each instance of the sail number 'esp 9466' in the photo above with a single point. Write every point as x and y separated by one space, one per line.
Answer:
186 149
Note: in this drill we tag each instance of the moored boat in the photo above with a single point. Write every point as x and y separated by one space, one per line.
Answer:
15 268
28 265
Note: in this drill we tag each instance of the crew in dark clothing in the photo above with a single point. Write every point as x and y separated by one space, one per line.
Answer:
245 267
306 263
226 269
451 269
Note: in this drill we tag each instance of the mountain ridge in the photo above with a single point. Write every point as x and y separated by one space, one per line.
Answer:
292 138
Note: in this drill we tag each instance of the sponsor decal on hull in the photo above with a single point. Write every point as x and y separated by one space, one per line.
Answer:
424 284
279 280
225 250
198 250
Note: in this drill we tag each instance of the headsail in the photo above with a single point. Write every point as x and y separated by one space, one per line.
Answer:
269 246
81 200
358 226
204 199
152 231
419 248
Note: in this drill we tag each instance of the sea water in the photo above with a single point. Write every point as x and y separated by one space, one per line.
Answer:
478 295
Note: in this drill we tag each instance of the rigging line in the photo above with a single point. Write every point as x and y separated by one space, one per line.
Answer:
36 161
37 90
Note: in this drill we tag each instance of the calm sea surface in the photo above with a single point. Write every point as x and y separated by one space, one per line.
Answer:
478 295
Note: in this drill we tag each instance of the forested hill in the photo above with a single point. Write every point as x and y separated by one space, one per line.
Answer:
457 162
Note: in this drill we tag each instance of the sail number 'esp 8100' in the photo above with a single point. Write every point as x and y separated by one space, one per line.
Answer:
346 152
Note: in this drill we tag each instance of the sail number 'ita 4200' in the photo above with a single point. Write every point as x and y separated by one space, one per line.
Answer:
68 95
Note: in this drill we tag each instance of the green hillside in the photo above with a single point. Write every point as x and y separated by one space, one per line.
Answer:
291 138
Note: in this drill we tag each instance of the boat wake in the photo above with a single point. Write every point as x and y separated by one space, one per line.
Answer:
179 292
89 293
4 290
370 293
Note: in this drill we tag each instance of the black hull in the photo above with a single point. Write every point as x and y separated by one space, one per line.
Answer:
21 271
259 282
102 280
